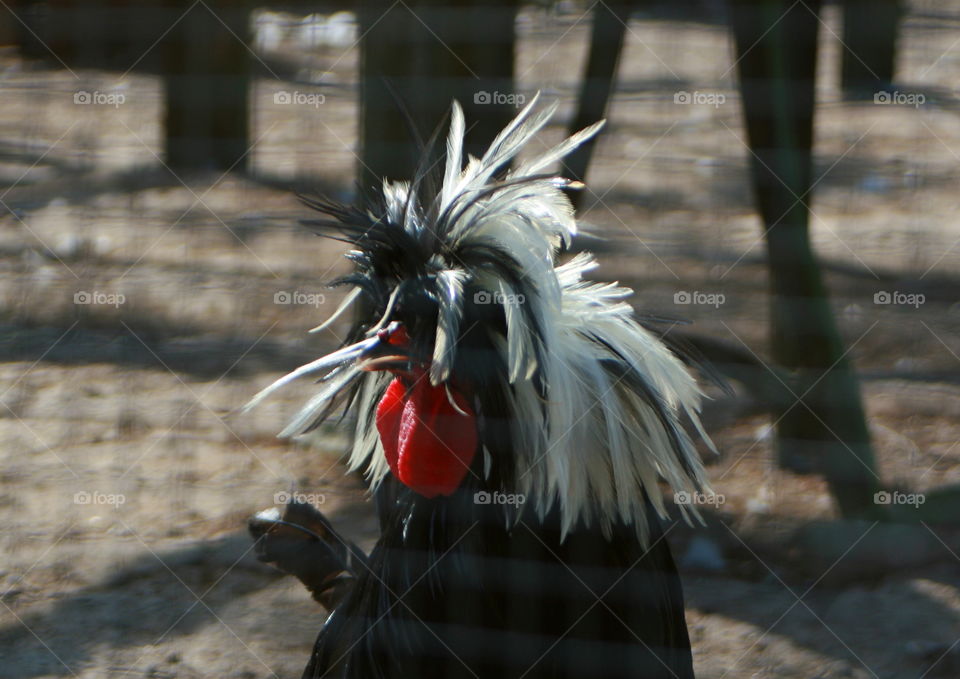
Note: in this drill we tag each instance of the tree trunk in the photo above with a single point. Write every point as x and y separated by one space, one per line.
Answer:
599 80
826 429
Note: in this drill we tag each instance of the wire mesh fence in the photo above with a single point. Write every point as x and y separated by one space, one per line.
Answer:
141 307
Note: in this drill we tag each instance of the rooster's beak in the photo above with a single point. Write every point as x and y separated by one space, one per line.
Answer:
390 352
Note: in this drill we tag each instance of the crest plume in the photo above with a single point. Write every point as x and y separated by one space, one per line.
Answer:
595 400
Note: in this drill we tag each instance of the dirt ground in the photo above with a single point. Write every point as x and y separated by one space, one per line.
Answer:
138 312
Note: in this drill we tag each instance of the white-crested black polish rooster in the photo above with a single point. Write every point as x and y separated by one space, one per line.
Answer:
513 421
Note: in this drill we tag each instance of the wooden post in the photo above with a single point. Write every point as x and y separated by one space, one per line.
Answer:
206 82
869 45
428 53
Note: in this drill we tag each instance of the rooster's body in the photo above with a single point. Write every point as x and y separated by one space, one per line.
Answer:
514 421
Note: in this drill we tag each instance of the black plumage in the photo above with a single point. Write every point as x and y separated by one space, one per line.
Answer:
545 556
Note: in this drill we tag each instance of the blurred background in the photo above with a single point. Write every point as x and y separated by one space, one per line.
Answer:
782 176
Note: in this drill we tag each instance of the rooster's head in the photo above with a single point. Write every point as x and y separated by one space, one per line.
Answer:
477 362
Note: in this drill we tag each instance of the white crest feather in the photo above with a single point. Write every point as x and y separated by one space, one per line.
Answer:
450 284
348 300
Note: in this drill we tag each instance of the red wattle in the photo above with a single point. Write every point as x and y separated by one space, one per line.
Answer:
429 445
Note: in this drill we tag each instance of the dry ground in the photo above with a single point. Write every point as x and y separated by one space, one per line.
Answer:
139 399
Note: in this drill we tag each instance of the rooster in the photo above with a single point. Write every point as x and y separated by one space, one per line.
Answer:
513 421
